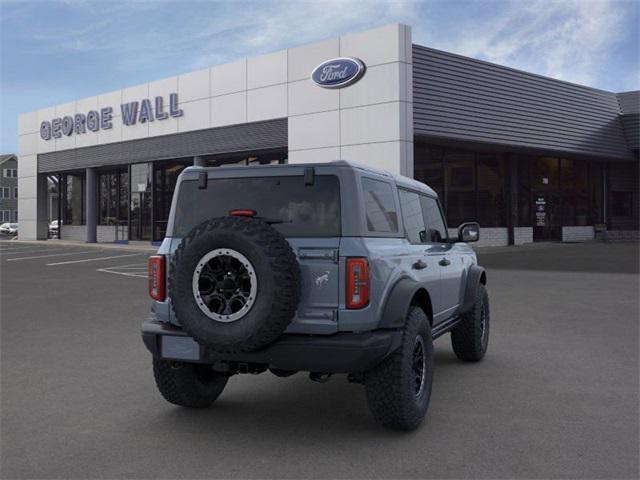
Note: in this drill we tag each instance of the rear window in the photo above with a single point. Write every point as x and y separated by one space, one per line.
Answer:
305 210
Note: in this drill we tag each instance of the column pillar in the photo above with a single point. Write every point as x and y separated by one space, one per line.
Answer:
199 162
42 215
91 196
512 195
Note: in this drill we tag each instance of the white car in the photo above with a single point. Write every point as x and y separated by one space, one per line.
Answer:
9 228
54 229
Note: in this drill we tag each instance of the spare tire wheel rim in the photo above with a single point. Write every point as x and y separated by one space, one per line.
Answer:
225 285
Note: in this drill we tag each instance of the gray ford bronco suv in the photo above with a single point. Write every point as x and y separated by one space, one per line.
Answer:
324 268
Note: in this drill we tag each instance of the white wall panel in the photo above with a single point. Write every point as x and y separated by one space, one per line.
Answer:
229 109
27 166
314 130
371 123
316 155
131 94
162 88
303 59
380 84
267 70
306 97
196 115
229 78
111 99
28 144
266 103
386 156
194 85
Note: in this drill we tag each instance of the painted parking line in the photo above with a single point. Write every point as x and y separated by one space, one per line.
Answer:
93 259
39 250
134 270
48 256
20 249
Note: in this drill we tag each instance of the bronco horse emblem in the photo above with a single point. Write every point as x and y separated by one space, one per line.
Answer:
321 279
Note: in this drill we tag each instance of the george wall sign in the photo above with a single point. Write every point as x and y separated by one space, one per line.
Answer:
338 72
94 120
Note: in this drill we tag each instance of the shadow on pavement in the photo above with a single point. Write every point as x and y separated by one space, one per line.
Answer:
582 257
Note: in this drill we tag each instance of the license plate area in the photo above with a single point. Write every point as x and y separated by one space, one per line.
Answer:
179 348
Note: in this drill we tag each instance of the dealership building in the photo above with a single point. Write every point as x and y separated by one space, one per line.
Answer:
530 158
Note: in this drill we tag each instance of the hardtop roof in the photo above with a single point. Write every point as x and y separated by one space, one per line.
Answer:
400 180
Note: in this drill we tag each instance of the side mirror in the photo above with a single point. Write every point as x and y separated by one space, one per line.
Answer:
469 232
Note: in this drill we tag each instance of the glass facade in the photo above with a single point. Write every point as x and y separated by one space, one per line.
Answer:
113 197
505 189
73 198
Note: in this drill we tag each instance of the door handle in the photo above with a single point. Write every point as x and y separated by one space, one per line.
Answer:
444 262
419 265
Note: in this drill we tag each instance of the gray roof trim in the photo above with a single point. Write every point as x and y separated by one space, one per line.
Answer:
6 158
236 138
470 100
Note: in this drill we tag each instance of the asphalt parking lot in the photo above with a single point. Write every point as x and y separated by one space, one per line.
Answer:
556 396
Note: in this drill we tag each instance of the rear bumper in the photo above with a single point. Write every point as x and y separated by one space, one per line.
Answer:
337 353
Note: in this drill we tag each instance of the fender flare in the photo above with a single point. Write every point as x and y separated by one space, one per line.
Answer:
475 276
398 302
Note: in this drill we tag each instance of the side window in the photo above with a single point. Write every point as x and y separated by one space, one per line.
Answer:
380 208
412 216
436 229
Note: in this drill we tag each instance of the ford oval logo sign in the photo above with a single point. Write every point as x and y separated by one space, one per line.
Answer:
338 73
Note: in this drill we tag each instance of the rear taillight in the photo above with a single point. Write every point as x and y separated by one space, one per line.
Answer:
357 282
156 277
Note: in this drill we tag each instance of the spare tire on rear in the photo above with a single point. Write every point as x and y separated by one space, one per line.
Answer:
234 284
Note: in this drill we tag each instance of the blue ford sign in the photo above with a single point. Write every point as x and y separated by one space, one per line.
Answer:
338 72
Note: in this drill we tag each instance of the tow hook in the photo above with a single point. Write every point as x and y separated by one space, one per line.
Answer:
320 377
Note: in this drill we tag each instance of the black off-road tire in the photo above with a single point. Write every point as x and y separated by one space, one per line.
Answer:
391 386
188 384
278 280
470 338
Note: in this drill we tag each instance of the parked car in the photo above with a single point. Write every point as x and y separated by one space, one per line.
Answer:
54 229
9 229
325 268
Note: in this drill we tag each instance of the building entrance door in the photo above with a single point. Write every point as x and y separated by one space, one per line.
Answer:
546 199
140 220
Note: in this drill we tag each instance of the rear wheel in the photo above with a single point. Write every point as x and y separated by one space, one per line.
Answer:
188 384
399 389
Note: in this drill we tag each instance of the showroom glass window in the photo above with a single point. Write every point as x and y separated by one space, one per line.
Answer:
491 197
73 199
113 197
470 185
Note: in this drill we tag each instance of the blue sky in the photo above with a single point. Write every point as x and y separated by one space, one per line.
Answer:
57 51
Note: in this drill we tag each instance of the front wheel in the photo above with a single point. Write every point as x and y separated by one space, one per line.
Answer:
399 389
188 384
470 338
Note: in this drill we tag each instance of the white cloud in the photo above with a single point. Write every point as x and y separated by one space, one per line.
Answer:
569 40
